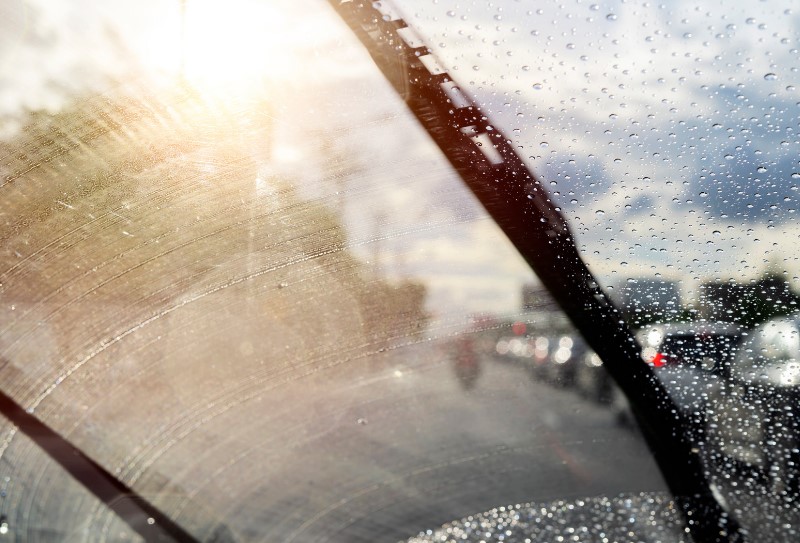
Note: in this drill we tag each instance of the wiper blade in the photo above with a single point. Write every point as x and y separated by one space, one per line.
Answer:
144 518
512 195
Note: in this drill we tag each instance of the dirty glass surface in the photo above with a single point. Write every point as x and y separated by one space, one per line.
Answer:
238 275
241 278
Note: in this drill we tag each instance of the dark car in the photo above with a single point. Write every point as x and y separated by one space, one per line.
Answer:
690 358
706 346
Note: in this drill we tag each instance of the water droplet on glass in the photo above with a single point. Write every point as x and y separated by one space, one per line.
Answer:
611 16
770 76
537 86
362 421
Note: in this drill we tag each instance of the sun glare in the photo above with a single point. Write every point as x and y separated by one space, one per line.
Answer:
233 45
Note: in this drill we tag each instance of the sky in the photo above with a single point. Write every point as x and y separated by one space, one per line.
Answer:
668 132
674 123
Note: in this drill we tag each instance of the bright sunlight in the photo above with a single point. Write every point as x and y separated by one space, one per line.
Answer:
233 46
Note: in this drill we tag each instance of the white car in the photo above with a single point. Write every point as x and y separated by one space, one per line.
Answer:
751 420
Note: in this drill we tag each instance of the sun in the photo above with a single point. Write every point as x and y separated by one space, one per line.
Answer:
233 45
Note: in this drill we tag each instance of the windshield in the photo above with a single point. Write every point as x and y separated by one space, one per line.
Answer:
242 277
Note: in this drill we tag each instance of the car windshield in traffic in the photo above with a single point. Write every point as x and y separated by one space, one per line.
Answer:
348 271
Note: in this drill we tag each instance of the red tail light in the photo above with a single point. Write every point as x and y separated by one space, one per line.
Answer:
659 360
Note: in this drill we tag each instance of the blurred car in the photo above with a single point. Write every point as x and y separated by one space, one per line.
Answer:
751 419
565 357
703 345
591 379
689 358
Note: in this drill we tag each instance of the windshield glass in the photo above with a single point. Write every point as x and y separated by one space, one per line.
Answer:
239 275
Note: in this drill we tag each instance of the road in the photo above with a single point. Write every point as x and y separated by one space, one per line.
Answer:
377 448
402 446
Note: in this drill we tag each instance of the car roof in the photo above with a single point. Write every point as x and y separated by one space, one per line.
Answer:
693 328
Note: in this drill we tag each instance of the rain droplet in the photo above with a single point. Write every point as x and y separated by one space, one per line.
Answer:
537 86
761 169
599 212
770 77
362 421
611 16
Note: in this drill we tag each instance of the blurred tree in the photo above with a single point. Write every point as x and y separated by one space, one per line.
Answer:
148 265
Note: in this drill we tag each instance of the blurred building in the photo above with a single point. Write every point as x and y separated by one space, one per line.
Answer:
746 303
649 299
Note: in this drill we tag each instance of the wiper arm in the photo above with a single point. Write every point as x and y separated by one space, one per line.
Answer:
144 518
519 204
